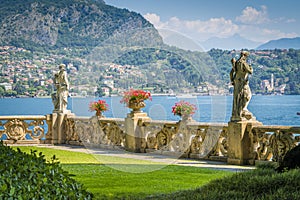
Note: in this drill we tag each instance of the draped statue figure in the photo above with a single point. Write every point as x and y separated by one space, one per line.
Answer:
241 93
61 83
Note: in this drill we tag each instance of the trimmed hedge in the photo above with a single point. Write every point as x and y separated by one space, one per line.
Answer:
29 176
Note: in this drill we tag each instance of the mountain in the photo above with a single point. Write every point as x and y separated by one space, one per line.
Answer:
283 43
233 42
79 24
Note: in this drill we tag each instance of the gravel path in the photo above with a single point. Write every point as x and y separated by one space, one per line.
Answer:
163 159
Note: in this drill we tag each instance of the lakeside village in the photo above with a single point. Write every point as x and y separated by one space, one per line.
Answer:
25 77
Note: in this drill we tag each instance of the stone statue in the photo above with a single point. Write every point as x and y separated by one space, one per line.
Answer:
241 94
61 83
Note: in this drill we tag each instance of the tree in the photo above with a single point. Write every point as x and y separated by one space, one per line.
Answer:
19 88
10 93
2 91
99 91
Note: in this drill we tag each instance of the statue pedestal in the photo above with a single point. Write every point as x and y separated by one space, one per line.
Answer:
239 142
58 126
134 134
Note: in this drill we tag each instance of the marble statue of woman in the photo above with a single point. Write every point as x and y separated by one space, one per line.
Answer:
242 93
60 98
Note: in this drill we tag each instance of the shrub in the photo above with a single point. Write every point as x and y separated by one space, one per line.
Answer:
29 176
291 160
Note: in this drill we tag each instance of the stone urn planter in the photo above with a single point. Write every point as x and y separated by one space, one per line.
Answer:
136 106
134 99
186 118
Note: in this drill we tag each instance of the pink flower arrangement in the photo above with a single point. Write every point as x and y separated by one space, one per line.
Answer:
98 106
136 96
183 108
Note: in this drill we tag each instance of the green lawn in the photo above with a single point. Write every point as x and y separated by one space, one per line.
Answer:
124 178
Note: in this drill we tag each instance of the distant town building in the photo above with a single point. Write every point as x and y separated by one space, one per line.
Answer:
7 86
109 83
268 86
280 89
105 91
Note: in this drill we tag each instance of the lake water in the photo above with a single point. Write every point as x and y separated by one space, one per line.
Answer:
270 110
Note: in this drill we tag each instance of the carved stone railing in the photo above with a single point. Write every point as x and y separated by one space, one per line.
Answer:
271 143
191 139
24 129
94 131
183 138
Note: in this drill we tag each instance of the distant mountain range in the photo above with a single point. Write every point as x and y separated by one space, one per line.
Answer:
234 42
237 42
283 43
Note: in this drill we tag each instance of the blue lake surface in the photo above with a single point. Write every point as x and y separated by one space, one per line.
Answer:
270 110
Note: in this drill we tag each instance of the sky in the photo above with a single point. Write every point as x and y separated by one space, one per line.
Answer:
255 20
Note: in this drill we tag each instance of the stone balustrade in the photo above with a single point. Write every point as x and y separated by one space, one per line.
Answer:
94 131
273 142
139 133
182 139
186 139
24 129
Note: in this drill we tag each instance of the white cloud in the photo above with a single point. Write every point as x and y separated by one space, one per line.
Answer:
202 30
154 19
251 15
290 20
219 26
284 20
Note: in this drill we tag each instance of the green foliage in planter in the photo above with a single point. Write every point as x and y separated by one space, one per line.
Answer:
29 176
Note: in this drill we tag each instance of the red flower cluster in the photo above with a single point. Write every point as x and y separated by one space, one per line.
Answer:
135 95
98 106
183 108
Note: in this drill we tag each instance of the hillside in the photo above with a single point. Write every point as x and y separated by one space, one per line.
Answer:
81 24
90 37
115 49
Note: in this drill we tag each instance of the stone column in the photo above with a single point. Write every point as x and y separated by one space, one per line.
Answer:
58 126
48 136
240 142
135 137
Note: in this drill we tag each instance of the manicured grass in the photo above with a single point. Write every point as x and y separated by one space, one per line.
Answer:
105 181
112 177
66 157
263 183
